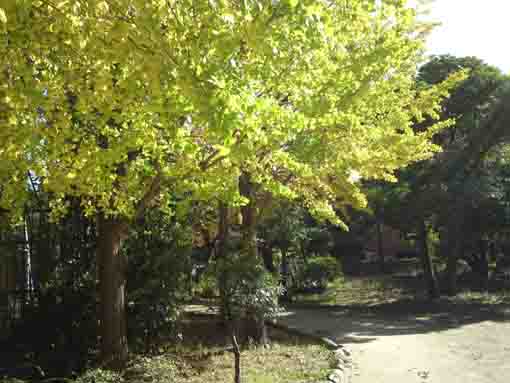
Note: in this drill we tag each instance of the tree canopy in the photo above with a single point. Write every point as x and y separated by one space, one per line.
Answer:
115 101
121 104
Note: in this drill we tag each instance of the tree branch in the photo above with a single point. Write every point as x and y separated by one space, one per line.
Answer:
149 195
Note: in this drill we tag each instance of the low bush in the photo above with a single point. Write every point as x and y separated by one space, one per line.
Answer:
99 375
318 271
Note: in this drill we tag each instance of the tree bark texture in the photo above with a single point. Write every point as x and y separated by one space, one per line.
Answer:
112 284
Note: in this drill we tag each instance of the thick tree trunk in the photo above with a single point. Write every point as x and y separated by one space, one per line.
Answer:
380 248
428 267
112 311
255 325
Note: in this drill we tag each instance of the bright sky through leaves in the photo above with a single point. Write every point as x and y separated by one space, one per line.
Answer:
472 28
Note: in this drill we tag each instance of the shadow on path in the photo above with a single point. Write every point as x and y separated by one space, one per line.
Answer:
361 324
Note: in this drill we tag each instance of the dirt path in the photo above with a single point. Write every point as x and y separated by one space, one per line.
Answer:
412 343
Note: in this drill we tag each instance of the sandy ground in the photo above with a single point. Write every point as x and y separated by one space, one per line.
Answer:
440 343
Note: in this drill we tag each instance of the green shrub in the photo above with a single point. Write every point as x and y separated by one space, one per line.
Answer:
248 288
321 270
158 252
257 295
155 369
100 376
207 286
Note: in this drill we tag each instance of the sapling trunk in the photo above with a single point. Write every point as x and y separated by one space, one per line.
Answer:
237 358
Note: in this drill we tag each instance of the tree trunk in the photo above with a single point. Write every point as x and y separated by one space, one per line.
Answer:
455 245
112 283
451 267
237 360
256 326
285 275
221 254
380 249
428 267
248 212
267 257
484 265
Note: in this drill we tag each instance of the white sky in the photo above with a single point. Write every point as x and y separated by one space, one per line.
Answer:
472 28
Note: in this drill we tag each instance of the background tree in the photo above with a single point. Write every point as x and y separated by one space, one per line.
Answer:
476 107
444 193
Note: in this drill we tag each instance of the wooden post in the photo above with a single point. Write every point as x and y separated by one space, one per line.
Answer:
237 356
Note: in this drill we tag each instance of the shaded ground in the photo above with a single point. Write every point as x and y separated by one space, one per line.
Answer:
201 351
464 340
204 355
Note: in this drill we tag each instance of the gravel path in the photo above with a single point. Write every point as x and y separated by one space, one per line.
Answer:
443 343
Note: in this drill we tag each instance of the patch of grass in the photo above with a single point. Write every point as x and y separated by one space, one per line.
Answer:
386 289
281 363
202 356
493 298
365 291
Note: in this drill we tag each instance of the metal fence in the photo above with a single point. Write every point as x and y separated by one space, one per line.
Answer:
13 307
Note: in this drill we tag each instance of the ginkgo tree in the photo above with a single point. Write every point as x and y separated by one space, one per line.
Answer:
120 102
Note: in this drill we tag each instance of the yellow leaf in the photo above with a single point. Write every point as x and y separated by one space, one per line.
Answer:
3 16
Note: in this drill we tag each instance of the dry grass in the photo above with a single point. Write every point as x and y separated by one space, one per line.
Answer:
202 357
281 363
379 290
363 291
